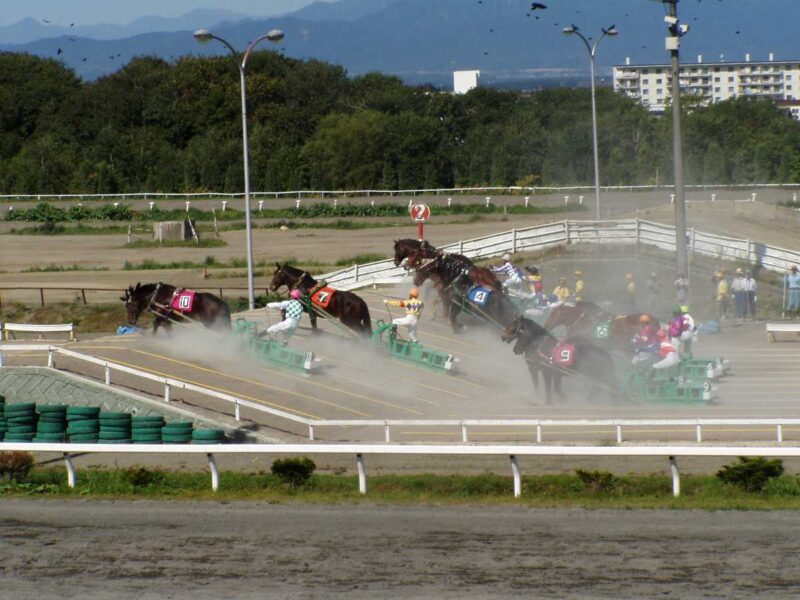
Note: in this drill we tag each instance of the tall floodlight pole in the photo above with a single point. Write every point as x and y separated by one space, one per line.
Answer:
611 31
676 31
276 35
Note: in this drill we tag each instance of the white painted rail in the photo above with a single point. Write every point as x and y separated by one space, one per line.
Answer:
536 428
9 329
671 453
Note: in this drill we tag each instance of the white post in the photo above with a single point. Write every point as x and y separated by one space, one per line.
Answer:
51 359
1 358
297 204
108 374
237 411
152 205
70 469
513 240
212 464
260 205
713 197
488 200
224 205
619 433
356 270
780 432
387 434
676 478
372 202
362 474
167 392
527 198
188 204
753 197
794 196
672 198
580 203
699 429
311 433
449 201
538 434
335 202
464 432
517 479
566 200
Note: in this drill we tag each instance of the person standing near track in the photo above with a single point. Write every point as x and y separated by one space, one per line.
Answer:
689 331
750 286
793 284
413 306
739 289
682 289
561 291
580 286
722 296
630 292
293 310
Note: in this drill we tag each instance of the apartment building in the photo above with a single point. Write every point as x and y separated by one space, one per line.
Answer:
713 82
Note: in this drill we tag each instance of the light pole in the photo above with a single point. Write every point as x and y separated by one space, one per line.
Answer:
276 35
611 31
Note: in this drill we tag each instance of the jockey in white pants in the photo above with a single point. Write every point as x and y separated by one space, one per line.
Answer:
413 308
667 352
689 331
511 273
294 310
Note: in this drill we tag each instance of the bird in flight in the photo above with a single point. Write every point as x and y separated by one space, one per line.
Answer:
45 21
60 52
537 5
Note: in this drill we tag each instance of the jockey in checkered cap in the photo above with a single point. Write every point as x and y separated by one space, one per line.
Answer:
294 310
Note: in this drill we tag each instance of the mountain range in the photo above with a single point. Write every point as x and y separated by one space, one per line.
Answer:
425 40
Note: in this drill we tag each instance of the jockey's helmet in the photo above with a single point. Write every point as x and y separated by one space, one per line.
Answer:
295 294
629 276
684 309
579 273
532 270
644 319
562 280
739 271
506 257
661 334
413 293
676 310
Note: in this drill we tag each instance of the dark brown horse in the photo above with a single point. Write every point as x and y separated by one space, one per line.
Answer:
454 283
350 309
206 308
412 251
582 319
591 366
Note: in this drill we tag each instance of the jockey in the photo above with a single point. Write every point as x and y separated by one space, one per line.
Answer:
561 291
579 286
507 269
534 280
413 308
630 290
689 331
645 342
676 326
667 352
294 310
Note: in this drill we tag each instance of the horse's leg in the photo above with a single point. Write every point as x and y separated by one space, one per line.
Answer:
312 317
454 312
156 322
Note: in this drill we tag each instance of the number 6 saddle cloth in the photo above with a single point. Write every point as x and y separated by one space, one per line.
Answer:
183 300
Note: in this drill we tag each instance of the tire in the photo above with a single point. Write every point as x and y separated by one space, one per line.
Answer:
44 427
82 437
208 434
20 420
148 419
115 415
85 429
52 408
115 428
104 435
91 411
176 439
21 407
22 429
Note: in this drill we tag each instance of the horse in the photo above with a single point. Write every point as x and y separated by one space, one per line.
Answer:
576 356
350 309
582 318
408 249
206 308
455 282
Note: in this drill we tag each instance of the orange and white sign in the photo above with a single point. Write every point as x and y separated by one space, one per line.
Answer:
420 212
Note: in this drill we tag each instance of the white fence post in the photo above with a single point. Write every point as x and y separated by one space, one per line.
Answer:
108 374
362 474
566 231
513 240
356 270
51 359
167 392
212 464
386 432
517 479
619 433
676 477
237 411
538 434
70 469
464 432
310 432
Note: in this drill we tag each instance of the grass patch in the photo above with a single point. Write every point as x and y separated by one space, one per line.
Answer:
79 229
202 243
54 268
360 259
567 490
94 318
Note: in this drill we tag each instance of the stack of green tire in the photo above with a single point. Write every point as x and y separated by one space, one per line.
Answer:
3 422
21 421
177 432
146 430
52 425
83 424
208 436
115 428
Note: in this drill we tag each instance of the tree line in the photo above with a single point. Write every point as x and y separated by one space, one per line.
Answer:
176 127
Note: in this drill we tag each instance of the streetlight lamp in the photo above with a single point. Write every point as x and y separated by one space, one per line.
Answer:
611 31
276 35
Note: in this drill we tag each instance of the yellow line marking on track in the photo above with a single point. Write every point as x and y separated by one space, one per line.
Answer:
101 348
250 381
404 380
356 381
217 389
341 391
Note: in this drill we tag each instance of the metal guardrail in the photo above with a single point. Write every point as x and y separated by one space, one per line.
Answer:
508 190
536 426
359 450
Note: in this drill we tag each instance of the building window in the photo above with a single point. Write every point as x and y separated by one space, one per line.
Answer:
730 79
717 90
789 87
730 89
658 82
645 71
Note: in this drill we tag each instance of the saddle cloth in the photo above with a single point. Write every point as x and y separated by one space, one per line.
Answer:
479 295
322 297
183 300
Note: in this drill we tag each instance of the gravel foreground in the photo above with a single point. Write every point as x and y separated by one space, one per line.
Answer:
153 549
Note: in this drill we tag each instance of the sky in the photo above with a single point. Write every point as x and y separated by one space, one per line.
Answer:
91 12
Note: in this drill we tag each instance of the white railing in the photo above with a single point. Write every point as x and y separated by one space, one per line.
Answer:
543 237
360 450
7 330
502 190
536 426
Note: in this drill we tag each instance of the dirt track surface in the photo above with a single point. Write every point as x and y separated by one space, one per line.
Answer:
91 549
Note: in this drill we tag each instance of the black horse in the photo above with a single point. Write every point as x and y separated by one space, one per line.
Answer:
206 308
412 251
590 365
350 309
454 281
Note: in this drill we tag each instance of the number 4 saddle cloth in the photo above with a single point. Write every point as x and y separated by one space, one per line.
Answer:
183 300
479 295
322 296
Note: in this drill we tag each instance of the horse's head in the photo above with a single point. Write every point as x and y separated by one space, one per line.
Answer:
511 332
134 300
524 331
279 278
430 269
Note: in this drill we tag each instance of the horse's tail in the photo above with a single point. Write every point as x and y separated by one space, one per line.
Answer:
366 321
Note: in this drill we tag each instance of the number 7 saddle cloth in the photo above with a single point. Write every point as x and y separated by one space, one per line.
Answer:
322 296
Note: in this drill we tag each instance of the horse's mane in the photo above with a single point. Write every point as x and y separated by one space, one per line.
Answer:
147 288
292 270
